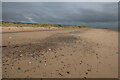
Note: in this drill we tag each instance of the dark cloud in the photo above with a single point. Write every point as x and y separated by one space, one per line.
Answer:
96 14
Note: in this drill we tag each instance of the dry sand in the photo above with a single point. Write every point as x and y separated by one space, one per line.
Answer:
21 29
60 53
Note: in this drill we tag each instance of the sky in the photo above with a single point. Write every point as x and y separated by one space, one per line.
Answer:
60 0
94 14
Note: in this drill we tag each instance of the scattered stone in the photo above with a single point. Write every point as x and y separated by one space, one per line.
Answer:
40 61
45 64
29 62
57 70
60 74
45 58
3 64
88 70
19 68
7 64
85 78
60 48
6 60
86 73
4 46
68 72
15 46
21 55
49 49
81 62
42 54
33 56
10 37
62 54
56 56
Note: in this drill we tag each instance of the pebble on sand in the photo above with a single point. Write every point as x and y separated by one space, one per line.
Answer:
88 70
49 49
10 37
19 68
29 62
68 72
86 73
40 61
60 74
45 64
21 55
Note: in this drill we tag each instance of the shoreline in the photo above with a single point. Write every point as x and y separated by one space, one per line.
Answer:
33 29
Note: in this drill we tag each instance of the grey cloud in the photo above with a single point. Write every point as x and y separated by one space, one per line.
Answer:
99 14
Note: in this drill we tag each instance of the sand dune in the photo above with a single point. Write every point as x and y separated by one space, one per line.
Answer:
60 53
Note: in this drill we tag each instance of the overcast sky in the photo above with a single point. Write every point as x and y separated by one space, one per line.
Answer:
60 0
95 14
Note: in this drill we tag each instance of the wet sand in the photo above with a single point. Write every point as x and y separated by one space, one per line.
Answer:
60 53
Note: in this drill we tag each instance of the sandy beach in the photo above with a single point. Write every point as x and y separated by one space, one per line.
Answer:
59 53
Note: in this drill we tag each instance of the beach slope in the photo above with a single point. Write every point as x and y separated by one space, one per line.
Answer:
60 53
